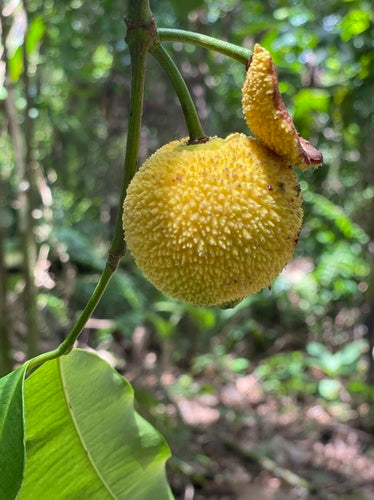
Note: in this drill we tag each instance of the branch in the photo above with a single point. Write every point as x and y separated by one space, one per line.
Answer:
208 42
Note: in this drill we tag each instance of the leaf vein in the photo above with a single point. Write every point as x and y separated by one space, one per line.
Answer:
80 437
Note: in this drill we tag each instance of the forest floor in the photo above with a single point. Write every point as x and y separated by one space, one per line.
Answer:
235 441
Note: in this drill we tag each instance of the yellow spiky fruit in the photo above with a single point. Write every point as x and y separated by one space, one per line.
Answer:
267 116
212 223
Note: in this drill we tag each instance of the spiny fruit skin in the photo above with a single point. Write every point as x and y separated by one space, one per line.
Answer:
212 223
267 116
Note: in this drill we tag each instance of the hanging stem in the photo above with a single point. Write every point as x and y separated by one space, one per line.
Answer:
66 346
208 42
195 130
140 37
139 42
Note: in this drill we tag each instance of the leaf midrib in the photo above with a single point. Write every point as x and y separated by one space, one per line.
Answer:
80 437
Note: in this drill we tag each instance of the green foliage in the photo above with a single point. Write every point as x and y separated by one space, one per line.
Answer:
219 360
35 34
285 373
79 411
292 373
343 362
335 216
354 23
55 305
16 64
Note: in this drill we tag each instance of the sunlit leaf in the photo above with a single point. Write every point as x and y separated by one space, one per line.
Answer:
351 353
335 214
308 100
16 64
12 448
238 365
354 23
359 387
83 437
329 389
316 349
35 34
102 60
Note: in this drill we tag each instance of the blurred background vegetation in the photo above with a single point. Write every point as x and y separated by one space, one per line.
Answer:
255 400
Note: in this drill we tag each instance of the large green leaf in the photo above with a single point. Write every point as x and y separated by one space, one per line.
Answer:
83 437
12 448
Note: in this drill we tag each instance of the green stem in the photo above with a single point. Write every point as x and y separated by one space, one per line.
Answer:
139 42
67 344
140 38
208 42
139 12
195 130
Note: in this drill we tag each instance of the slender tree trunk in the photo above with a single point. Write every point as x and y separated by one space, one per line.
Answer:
368 175
370 301
5 326
26 198
28 234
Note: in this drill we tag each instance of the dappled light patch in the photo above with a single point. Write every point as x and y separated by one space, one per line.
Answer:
194 412
284 444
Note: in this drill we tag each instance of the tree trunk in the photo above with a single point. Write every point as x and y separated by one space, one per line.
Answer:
26 199
5 327
368 174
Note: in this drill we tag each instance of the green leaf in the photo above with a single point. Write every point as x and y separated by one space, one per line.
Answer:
102 61
12 448
309 100
351 353
316 349
238 365
354 23
163 327
329 389
324 207
35 34
83 437
16 64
